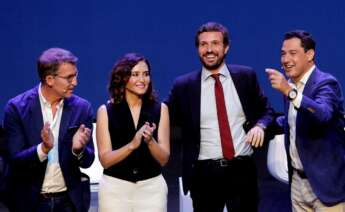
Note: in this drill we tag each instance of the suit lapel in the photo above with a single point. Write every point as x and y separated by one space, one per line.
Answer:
309 86
65 119
35 118
307 91
194 99
240 88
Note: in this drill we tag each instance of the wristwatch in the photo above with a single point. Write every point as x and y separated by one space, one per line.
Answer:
292 94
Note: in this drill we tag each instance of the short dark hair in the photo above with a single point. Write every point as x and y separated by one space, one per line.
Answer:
51 59
120 75
213 27
307 41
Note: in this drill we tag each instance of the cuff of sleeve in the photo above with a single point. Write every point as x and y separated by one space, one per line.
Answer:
261 125
41 155
80 155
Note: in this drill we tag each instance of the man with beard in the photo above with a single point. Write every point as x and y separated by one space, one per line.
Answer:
222 114
48 133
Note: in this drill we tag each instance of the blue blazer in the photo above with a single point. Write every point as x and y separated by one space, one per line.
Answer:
320 137
184 106
23 122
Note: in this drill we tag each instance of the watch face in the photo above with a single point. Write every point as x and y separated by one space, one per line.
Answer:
292 94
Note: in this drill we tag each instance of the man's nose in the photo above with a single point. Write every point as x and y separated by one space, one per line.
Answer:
284 59
75 81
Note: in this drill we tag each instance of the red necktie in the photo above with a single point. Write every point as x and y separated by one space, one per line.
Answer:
224 128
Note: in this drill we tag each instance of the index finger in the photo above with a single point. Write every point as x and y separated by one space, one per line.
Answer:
271 71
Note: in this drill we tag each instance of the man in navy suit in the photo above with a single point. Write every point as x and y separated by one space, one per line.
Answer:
214 179
48 133
314 127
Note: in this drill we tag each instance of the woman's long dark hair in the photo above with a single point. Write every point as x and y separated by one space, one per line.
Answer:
120 75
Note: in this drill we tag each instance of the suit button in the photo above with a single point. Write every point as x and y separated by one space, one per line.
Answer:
135 171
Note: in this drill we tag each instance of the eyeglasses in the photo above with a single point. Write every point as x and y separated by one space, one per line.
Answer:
68 78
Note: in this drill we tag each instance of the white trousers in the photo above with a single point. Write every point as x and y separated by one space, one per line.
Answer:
123 196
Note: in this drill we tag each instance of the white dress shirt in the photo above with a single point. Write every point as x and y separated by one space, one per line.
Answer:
210 145
53 179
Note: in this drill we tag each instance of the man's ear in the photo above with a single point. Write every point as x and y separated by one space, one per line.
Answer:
227 49
310 55
50 80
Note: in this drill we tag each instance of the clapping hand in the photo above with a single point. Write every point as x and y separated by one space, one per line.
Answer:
47 138
148 132
81 138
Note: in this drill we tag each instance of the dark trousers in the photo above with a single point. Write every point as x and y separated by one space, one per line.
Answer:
55 204
219 183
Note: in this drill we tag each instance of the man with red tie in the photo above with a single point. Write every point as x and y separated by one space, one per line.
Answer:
222 114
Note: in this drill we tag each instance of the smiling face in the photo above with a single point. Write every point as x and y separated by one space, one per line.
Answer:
212 50
139 80
295 60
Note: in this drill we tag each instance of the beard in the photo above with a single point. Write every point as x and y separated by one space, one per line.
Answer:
213 66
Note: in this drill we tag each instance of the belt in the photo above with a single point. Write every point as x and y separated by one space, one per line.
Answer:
221 162
300 173
54 195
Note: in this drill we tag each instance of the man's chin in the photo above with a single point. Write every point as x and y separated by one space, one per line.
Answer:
289 74
68 94
212 67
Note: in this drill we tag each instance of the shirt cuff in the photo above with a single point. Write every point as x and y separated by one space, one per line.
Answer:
41 155
261 125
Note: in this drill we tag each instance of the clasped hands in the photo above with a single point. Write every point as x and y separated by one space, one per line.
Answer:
146 132
79 141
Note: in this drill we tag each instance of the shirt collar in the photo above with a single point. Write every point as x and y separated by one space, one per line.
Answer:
43 100
305 77
223 71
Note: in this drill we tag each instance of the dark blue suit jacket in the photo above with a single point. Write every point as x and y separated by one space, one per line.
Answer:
23 122
184 107
320 137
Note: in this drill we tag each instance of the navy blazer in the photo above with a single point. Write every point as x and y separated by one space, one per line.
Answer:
184 106
23 122
320 137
